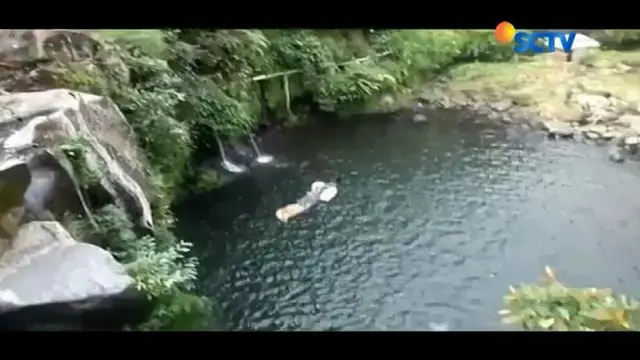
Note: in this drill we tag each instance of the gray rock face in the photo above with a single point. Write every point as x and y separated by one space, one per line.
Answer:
48 280
596 108
49 118
35 190
557 129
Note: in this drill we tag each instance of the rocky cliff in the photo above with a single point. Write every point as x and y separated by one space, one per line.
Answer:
48 279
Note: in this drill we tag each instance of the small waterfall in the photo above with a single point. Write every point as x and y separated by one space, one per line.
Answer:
261 158
228 165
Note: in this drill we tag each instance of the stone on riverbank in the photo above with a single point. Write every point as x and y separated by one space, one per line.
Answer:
616 154
632 121
558 129
630 141
597 96
41 122
50 281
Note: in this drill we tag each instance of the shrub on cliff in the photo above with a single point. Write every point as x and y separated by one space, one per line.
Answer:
216 68
159 264
550 305
328 78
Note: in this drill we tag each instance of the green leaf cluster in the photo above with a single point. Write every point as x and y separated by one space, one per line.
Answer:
550 305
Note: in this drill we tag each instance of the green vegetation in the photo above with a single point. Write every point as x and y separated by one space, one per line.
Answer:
75 149
550 305
161 267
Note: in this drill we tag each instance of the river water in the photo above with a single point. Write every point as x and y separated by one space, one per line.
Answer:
432 223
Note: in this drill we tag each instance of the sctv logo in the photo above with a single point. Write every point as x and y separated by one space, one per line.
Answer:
526 41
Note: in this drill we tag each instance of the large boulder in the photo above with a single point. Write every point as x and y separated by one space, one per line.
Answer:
557 129
632 121
50 281
34 128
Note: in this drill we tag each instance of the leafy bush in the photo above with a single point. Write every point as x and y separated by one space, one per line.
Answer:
160 266
417 55
304 51
551 305
75 150
183 311
346 44
352 86
78 76
207 180
159 272
150 103
209 108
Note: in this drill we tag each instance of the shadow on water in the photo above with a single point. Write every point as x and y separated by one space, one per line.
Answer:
432 223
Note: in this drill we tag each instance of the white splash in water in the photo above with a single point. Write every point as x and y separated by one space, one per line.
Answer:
262 158
228 165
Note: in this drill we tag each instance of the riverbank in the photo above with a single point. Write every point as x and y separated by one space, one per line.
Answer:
595 98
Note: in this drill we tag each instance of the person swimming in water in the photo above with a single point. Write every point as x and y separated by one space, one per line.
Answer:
320 191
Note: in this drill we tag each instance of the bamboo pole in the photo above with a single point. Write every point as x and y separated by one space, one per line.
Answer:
286 73
269 76
285 80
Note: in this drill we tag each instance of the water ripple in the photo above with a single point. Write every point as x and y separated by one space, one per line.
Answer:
429 229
